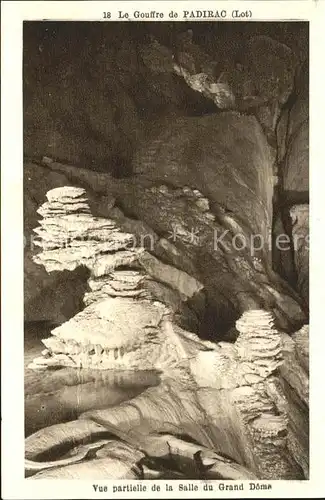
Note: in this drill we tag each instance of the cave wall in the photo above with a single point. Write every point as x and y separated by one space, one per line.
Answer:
292 211
90 100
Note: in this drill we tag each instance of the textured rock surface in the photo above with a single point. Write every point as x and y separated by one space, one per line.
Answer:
291 254
147 246
283 260
249 384
51 297
235 174
121 272
293 193
295 387
201 382
234 279
234 169
273 66
300 236
294 147
67 112
137 72
259 83
239 409
101 91
296 167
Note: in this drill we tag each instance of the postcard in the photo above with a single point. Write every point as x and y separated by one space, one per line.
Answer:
162 246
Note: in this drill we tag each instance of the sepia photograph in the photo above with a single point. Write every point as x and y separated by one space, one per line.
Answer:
166 251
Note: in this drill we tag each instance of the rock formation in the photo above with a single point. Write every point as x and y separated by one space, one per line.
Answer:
216 212
152 79
300 236
296 162
52 297
164 246
260 83
293 203
74 121
229 398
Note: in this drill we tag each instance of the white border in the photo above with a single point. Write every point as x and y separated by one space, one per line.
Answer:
14 486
